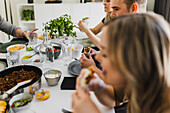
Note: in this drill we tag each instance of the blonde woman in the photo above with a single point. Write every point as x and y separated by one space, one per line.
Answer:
97 29
135 61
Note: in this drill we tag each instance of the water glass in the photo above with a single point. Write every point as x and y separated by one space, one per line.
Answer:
12 59
32 38
66 54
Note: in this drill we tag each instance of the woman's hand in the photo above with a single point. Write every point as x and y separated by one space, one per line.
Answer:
82 102
82 26
103 92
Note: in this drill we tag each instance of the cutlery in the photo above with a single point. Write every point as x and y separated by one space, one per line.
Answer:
65 111
5 95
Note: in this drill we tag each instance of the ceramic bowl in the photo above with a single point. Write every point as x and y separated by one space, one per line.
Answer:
16 51
57 52
26 61
21 96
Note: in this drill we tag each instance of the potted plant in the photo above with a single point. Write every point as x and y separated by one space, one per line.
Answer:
27 14
61 26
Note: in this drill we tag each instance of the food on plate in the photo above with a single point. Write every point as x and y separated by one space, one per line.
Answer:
21 102
9 81
86 18
87 51
43 95
26 57
15 48
89 74
29 48
3 107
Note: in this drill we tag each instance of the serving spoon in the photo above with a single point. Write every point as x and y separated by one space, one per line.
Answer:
5 95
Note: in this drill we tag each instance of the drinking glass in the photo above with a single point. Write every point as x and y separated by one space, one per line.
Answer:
32 38
67 54
12 59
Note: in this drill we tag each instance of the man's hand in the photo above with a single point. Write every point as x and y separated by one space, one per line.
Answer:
86 62
31 32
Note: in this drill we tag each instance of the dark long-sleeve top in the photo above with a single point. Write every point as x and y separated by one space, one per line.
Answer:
7 27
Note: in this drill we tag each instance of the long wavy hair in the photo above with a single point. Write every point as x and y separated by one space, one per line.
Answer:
139 49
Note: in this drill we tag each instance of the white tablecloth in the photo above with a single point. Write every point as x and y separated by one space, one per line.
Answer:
58 98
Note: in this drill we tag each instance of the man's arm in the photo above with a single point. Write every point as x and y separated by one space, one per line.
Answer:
7 27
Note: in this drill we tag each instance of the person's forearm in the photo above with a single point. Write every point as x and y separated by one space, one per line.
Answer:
106 96
93 38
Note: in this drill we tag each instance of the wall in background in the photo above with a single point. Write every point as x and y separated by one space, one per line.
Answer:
14 6
151 4
15 2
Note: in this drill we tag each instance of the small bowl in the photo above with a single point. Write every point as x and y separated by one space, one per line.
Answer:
38 64
26 61
52 77
21 96
57 53
16 51
76 50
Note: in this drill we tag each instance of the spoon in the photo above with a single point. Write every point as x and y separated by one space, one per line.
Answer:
65 111
5 95
28 57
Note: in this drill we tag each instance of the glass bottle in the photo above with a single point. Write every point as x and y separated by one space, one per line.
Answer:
46 49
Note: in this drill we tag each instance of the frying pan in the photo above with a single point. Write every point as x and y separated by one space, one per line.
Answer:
26 68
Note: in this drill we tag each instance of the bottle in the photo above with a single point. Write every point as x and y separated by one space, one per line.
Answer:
46 50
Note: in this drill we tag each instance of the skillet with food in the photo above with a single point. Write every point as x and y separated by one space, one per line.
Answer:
10 77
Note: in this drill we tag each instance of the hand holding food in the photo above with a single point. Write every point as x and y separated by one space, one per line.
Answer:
86 62
87 51
83 25
86 78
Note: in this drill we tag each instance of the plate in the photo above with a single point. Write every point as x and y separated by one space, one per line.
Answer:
74 68
43 50
2 65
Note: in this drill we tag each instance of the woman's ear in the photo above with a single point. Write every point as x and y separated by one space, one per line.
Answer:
134 8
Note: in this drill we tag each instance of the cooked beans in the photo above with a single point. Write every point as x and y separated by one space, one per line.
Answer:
12 79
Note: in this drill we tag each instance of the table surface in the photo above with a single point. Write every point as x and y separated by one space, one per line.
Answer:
58 98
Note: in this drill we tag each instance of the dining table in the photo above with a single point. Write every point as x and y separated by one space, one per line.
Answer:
59 98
